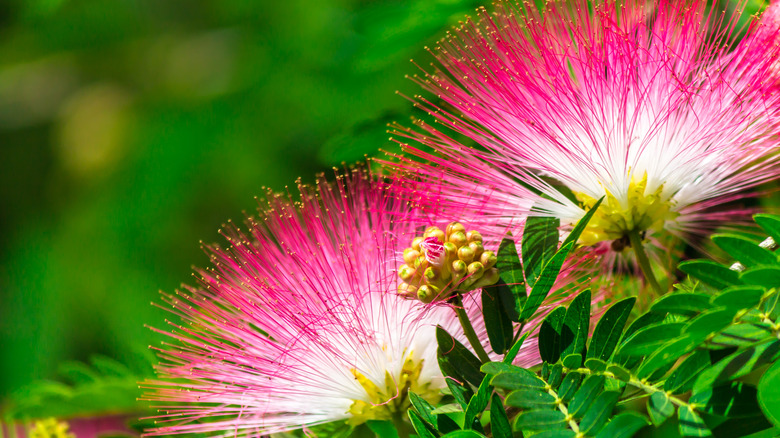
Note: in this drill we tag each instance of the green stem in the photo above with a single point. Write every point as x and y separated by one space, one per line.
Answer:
471 335
644 262
402 427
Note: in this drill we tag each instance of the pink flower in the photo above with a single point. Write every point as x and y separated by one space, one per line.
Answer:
665 109
299 322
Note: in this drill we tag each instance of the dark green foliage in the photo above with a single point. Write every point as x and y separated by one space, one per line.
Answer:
540 242
684 360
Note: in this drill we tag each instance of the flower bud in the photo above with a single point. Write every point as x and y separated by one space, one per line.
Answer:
454 227
431 274
473 236
488 258
489 278
458 238
435 232
466 254
420 261
476 269
427 293
451 251
416 243
477 248
458 271
410 255
407 290
406 273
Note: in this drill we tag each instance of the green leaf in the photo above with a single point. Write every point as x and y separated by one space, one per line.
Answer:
459 392
609 328
683 377
709 322
649 339
619 372
458 357
560 433
572 361
540 241
667 354
463 434
769 394
732 400
644 320
449 408
659 407
382 429
530 399
766 276
739 297
744 250
499 423
540 420
419 425
497 323
584 396
518 380
682 303
423 408
623 425
512 353
478 403
550 335
570 385
556 375
710 272
511 298
577 323
737 365
595 365
511 270
545 282
770 223
599 412
581 224
743 335
499 367
691 423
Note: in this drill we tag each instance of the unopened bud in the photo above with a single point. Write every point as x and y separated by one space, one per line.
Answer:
458 238
427 293
410 255
476 269
406 273
451 251
407 290
416 243
473 236
477 248
455 227
420 261
466 254
435 232
431 274
488 258
489 278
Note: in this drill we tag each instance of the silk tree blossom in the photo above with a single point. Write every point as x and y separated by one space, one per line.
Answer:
664 109
299 323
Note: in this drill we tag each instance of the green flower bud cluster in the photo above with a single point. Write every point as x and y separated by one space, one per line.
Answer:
441 263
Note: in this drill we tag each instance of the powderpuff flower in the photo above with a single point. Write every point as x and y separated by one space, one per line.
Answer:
665 109
299 323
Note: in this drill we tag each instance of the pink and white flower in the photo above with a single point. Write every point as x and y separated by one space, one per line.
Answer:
665 108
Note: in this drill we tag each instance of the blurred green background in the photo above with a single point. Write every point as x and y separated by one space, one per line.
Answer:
131 129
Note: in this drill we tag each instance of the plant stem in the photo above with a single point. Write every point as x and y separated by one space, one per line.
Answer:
402 427
471 335
644 262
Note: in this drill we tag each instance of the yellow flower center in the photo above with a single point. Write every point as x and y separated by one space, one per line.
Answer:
393 397
614 219
49 428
